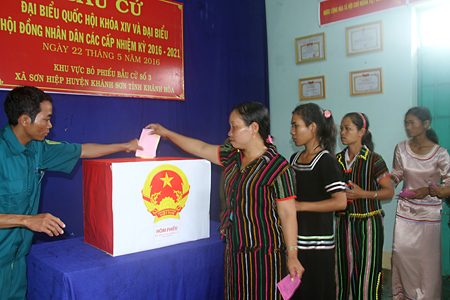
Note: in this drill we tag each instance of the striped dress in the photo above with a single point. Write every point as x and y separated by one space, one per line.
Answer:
254 257
360 231
316 181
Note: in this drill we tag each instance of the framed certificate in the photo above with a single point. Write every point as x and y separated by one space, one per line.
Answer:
312 88
364 38
310 48
366 82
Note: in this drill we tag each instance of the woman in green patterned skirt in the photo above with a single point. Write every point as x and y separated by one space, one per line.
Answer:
359 229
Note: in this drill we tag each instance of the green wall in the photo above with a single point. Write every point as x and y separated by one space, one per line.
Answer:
290 19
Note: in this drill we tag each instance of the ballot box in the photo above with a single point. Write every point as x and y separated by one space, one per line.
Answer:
135 204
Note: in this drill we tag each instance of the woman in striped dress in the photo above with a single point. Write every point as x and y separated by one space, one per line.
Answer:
259 223
320 191
416 251
359 228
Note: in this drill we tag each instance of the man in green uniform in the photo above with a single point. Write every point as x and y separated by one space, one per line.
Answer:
24 157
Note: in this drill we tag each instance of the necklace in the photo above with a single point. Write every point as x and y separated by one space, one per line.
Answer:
260 151
415 144
257 155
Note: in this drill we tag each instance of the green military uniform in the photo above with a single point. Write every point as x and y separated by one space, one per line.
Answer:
21 171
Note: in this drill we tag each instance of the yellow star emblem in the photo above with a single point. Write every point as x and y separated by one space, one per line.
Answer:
166 180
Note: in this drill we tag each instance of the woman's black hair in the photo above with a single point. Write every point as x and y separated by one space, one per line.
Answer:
362 121
424 114
255 112
326 128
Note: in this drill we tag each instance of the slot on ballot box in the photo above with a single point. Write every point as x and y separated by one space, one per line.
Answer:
134 204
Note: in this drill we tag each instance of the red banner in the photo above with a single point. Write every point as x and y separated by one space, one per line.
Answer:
125 48
337 10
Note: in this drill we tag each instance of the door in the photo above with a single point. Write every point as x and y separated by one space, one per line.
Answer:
434 93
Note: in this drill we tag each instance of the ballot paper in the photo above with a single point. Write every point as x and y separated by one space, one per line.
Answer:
149 142
406 194
287 287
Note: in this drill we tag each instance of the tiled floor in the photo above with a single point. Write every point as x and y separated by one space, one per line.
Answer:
387 291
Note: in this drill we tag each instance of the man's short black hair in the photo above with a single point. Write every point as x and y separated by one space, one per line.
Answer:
24 100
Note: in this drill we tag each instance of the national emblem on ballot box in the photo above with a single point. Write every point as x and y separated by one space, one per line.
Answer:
133 205
165 192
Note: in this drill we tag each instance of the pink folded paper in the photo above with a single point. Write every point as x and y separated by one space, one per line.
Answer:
287 287
406 194
149 142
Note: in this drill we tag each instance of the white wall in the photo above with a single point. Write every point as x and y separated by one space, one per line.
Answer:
290 19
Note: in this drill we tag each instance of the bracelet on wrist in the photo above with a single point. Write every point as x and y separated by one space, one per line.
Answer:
375 196
291 248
